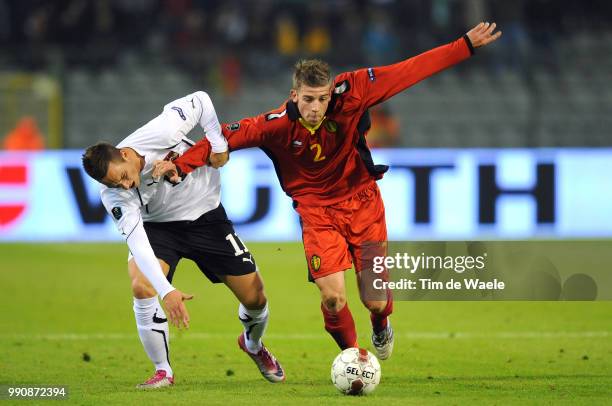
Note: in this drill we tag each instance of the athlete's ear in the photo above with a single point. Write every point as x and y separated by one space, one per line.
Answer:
294 96
124 155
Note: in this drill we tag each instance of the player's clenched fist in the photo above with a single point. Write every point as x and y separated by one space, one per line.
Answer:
482 34
167 169
217 160
175 308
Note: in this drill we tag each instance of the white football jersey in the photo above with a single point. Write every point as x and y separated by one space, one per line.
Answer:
161 201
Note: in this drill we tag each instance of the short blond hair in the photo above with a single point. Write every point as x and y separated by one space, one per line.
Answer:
311 72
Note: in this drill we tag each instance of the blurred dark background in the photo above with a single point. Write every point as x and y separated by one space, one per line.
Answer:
76 71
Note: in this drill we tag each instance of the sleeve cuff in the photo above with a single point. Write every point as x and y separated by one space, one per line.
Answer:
164 292
216 149
469 44
218 143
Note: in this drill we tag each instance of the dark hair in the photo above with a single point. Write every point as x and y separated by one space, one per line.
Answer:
97 157
311 72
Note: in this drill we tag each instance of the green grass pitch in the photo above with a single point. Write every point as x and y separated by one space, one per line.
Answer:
65 303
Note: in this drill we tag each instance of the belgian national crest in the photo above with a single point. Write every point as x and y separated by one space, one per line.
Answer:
315 262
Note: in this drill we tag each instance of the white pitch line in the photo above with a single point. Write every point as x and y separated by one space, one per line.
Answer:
230 336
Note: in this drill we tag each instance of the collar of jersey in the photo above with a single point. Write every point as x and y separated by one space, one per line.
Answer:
311 128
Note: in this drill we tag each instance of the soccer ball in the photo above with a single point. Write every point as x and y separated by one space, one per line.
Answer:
355 371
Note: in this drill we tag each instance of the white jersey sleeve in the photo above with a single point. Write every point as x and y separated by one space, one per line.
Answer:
196 108
125 211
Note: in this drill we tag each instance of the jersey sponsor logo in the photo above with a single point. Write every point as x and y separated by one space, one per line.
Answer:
233 127
331 126
297 143
315 262
180 112
117 214
273 116
371 74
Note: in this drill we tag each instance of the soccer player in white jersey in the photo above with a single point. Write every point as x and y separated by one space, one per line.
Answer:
163 222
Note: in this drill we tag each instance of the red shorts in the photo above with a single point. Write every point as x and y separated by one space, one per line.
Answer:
337 236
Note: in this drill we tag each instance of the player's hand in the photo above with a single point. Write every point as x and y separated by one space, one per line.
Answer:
167 169
482 34
175 308
219 159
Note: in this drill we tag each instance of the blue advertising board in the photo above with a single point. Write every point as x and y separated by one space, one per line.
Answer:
429 194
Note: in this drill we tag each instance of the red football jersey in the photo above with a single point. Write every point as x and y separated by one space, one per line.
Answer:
332 163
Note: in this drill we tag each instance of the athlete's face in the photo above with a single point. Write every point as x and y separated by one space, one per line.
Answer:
312 102
123 174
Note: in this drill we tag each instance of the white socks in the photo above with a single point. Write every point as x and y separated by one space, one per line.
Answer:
152 327
254 322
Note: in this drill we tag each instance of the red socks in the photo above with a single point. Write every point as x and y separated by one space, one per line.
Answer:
341 326
379 320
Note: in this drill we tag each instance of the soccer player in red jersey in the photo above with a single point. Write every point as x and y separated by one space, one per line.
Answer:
317 142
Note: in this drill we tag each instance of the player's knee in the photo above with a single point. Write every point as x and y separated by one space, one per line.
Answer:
142 289
256 301
375 306
333 301
256 298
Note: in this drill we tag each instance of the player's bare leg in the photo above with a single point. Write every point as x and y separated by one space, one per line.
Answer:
338 319
382 332
253 314
152 325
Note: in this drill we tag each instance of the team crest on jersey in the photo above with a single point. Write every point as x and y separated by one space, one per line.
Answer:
117 214
315 262
331 126
233 126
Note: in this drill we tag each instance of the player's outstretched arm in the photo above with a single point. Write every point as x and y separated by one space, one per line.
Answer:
375 85
482 34
129 222
175 308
